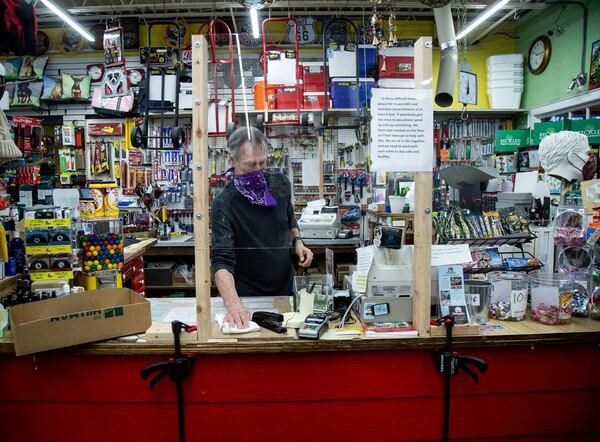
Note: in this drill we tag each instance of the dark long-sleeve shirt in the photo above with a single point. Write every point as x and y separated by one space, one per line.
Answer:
253 242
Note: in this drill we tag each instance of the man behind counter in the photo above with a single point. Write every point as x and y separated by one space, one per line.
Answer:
253 229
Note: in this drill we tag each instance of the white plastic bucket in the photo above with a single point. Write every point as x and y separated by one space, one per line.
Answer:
505 97
513 82
494 60
397 203
505 75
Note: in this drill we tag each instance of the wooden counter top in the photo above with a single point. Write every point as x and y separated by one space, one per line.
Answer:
138 249
580 331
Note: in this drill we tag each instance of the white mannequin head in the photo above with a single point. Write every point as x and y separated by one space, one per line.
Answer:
564 154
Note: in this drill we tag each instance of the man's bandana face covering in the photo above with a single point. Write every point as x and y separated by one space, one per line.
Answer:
253 186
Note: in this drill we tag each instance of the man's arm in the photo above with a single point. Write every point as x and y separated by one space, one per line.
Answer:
303 252
237 314
300 249
223 264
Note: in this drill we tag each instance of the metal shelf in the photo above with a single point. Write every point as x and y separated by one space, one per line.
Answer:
514 239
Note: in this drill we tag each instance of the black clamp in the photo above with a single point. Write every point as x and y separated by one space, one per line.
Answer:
179 367
270 321
450 362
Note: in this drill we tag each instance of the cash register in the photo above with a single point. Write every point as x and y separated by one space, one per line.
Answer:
389 289
319 221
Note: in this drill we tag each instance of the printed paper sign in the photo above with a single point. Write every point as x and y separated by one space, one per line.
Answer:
443 255
402 130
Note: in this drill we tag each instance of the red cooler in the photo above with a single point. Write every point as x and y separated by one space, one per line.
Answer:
312 73
397 63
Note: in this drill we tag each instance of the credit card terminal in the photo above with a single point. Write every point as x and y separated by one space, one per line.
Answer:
314 326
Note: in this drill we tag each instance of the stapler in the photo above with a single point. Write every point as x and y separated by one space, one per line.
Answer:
270 321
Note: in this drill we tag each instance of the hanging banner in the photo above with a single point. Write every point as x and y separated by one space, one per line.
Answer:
402 130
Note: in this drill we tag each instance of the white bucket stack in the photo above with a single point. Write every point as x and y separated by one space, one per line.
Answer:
505 80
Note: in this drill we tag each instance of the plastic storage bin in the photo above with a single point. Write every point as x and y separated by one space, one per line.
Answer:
396 83
512 82
343 92
342 63
478 295
312 73
509 296
505 97
505 61
508 74
397 63
367 61
551 300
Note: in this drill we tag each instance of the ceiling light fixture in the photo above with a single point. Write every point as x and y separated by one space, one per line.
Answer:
62 14
254 22
254 6
481 18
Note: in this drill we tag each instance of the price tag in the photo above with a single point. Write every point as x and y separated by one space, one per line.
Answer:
58 222
44 250
518 303
38 276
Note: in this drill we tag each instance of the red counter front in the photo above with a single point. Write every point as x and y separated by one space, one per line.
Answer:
540 393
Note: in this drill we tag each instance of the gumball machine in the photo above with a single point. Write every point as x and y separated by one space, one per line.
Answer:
100 246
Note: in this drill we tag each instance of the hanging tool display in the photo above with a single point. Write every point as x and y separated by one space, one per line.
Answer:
140 135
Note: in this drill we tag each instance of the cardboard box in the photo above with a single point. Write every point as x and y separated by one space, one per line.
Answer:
511 140
540 130
78 319
590 128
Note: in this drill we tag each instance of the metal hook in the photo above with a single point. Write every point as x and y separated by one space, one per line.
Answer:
464 116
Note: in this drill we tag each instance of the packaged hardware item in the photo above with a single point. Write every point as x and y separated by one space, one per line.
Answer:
61 262
59 236
36 237
39 263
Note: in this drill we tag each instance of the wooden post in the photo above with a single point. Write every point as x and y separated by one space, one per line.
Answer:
321 179
423 202
200 177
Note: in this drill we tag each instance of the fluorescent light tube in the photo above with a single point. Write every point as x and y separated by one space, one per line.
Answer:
481 18
254 22
62 14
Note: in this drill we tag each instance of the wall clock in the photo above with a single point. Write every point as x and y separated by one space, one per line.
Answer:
135 76
96 71
539 54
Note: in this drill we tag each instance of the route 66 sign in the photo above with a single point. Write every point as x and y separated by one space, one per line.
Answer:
306 30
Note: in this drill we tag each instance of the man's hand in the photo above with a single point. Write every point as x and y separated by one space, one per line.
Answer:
237 316
304 254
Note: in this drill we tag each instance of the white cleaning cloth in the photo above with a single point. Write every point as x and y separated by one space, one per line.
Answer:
226 328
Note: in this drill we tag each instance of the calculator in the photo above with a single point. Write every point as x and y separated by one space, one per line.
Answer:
314 326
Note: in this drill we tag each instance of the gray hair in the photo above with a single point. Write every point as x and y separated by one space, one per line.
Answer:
555 148
240 137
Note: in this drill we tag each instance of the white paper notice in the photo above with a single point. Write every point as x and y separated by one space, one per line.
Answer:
363 265
444 255
402 130
525 182
310 172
